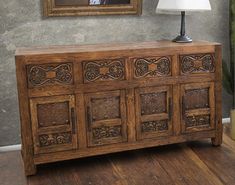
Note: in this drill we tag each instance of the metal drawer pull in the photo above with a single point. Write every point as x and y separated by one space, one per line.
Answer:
170 109
73 118
183 107
89 118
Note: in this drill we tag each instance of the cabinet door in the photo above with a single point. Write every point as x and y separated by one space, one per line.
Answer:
197 107
106 117
53 123
153 111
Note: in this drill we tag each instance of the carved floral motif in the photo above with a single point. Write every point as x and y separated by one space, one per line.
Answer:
104 70
154 126
106 132
152 67
39 75
197 63
200 120
55 139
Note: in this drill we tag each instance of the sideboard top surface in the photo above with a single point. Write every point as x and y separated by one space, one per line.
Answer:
69 49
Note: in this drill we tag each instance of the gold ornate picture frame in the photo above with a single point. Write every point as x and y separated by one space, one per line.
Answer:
91 7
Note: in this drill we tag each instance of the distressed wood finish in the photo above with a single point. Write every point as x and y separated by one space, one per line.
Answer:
53 123
153 112
198 107
79 101
106 117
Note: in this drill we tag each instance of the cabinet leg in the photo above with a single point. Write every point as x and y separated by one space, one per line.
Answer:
217 141
30 169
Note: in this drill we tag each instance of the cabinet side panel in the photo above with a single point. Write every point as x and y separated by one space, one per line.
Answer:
26 131
218 97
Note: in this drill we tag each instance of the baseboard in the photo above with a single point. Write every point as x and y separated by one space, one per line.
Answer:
10 148
226 120
18 147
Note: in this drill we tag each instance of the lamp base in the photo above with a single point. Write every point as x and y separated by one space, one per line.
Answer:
182 39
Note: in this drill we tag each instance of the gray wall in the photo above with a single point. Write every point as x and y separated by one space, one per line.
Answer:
22 24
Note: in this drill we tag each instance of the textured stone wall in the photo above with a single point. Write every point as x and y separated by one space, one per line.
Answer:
22 24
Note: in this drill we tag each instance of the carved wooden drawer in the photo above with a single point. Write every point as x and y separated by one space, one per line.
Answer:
106 117
198 107
39 75
53 123
197 63
152 67
153 111
104 70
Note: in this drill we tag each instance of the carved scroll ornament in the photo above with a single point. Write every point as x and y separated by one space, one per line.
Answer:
104 70
39 75
197 63
152 67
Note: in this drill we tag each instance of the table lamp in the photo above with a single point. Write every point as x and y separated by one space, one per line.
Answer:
182 6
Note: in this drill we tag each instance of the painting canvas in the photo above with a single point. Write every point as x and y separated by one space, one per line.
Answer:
71 2
90 2
107 2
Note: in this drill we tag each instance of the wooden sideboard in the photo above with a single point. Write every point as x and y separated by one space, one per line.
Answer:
79 101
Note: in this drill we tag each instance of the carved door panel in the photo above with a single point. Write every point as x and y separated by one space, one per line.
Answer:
53 123
153 112
106 117
198 107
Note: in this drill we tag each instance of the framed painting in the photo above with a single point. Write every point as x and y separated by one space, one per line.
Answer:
91 7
